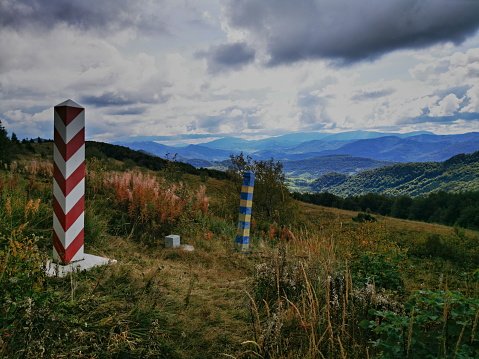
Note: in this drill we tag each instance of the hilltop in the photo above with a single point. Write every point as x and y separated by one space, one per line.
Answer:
316 284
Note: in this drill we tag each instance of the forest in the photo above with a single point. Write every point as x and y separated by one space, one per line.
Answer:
451 209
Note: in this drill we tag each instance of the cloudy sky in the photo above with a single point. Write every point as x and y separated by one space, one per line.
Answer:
196 70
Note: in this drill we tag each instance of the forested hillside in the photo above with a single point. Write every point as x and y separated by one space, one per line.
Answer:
458 174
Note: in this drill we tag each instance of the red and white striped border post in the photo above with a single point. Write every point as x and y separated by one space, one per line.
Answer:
69 182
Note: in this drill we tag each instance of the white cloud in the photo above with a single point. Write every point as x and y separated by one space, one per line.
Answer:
455 70
472 96
29 125
445 107
236 112
138 82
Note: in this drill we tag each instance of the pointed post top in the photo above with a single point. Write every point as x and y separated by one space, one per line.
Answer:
69 103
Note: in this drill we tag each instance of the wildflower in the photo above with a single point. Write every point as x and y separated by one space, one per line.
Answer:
28 207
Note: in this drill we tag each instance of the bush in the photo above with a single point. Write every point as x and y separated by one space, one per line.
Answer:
382 269
458 247
435 324
364 217
150 205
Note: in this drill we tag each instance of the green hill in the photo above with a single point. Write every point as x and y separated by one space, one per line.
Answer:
317 282
458 174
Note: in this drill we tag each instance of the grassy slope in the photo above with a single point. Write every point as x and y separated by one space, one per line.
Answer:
200 294
168 303
200 298
422 270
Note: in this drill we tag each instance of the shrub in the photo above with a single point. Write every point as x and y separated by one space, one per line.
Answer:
435 324
20 267
21 289
458 247
152 205
364 217
382 269
25 204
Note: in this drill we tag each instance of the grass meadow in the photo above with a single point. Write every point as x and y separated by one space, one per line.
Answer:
323 286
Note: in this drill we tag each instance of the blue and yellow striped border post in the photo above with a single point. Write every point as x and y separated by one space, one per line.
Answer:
246 202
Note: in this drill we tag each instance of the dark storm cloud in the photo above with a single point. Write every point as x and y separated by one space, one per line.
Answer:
108 15
228 56
347 31
211 124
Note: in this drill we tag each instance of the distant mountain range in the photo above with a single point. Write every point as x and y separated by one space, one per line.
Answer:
334 158
182 154
408 147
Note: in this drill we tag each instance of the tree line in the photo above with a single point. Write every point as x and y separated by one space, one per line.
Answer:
461 209
11 147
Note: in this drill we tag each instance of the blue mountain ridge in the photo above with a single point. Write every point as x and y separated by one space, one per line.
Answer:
409 147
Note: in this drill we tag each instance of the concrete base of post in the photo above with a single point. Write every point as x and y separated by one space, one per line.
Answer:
53 269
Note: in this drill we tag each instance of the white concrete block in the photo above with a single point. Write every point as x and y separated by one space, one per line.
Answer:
172 241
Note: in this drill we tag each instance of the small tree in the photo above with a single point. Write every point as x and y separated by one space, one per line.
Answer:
271 201
5 146
14 139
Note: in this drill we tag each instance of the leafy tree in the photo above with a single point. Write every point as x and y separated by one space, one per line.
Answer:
376 203
401 206
271 201
442 207
325 199
469 217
